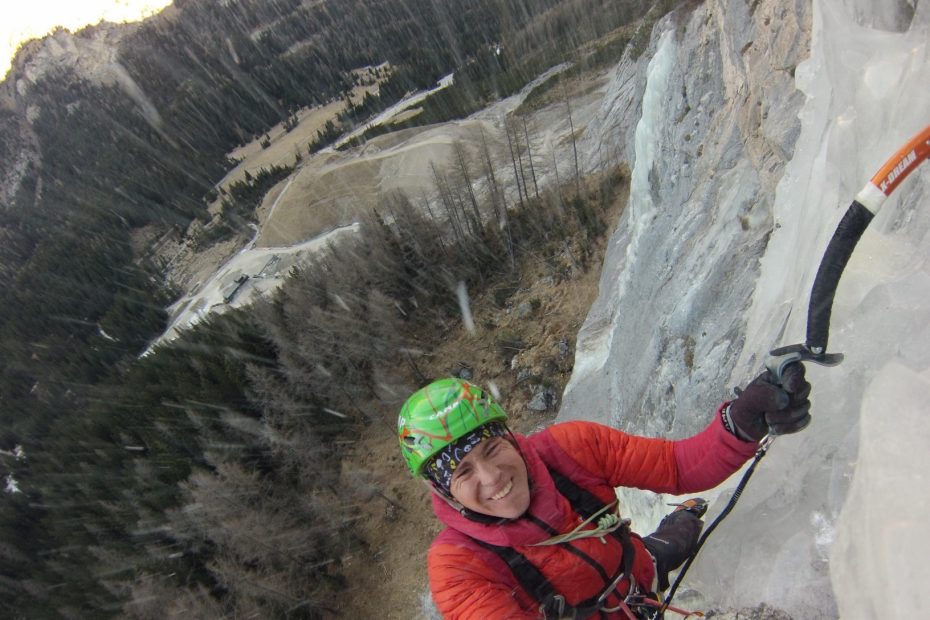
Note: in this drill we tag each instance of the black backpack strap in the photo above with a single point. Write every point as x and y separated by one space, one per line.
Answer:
583 501
551 603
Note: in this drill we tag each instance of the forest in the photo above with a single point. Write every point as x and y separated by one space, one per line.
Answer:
211 459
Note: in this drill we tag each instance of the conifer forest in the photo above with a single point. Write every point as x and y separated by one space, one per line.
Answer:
206 469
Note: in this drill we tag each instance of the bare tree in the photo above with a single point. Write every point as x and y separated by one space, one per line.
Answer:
513 159
497 204
448 202
529 154
271 542
497 201
571 126
519 150
436 222
466 178
558 185
154 597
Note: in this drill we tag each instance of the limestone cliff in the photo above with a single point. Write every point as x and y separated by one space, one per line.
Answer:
751 126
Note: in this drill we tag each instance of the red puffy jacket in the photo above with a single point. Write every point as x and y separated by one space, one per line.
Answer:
469 581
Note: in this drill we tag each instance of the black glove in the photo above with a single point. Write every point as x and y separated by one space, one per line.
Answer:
764 407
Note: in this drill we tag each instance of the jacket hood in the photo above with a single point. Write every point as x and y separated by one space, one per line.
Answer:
546 505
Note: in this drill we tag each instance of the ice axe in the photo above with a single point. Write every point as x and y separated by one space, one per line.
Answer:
858 216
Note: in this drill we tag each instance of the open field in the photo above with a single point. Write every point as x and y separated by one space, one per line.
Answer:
329 191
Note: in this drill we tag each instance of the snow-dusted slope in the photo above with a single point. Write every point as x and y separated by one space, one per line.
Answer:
759 123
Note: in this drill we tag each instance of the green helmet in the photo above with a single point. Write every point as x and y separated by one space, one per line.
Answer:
440 413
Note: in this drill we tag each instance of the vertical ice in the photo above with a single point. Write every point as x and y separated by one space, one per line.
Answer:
824 528
640 210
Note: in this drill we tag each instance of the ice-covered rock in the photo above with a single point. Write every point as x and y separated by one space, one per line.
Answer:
758 123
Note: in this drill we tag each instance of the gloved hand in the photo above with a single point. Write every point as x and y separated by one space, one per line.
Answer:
765 407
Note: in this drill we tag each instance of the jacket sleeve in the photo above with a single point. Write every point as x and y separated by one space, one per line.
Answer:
710 457
464 587
694 464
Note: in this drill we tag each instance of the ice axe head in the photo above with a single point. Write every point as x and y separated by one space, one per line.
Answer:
779 359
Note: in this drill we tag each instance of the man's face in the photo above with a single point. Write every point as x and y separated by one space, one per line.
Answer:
492 480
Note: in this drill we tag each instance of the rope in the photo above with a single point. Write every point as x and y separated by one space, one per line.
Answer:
763 448
607 522
656 606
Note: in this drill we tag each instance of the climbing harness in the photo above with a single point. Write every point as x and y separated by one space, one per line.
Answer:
634 605
850 229
552 604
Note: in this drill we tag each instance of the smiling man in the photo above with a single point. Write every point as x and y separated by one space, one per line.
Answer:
492 478
534 529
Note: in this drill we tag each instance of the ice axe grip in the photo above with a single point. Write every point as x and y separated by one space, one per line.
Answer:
834 260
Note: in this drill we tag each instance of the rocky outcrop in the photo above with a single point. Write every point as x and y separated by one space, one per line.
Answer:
709 141
751 126
89 55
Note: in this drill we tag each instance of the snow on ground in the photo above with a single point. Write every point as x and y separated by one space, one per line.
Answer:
250 272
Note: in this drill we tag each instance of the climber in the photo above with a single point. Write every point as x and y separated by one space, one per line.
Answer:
533 527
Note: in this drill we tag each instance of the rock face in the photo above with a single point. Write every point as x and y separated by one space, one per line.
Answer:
715 128
750 127
709 141
90 56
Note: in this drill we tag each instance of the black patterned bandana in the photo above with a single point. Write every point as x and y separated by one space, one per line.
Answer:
441 467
